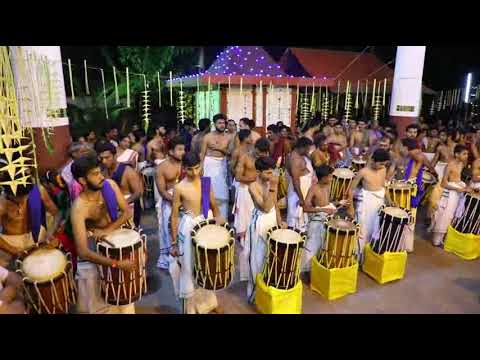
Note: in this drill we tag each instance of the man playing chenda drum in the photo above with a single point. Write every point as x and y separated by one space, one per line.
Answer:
94 215
372 195
23 219
189 194
266 215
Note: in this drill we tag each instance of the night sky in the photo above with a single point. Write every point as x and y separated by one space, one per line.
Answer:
445 67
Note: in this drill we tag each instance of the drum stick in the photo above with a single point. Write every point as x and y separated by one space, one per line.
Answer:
108 242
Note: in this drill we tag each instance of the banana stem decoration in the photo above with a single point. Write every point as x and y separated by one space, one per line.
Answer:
146 109
338 98
326 106
348 102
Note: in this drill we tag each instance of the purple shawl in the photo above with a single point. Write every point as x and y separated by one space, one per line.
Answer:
110 200
205 186
415 201
36 210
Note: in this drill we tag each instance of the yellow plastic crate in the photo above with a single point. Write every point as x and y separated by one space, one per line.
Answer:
384 268
270 300
467 246
333 283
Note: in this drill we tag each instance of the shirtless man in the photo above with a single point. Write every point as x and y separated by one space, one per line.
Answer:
156 147
18 233
453 188
475 145
313 129
359 141
245 174
266 215
279 148
139 146
320 155
189 194
125 176
328 129
395 160
337 144
300 177
94 215
246 123
245 146
167 176
443 152
372 196
197 140
214 162
430 142
318 207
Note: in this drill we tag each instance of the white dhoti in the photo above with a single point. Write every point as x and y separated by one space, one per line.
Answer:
296 217
242 209
164 212
197 300
90 299
256 241
429 156
445 212
315 238
156 193
216 169
367 216
440 169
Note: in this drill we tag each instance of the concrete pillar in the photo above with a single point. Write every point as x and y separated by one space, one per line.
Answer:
405 105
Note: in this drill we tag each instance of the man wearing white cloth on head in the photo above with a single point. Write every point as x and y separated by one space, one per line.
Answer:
167 175
195 195
300 177
214 162
453 189
265 216
372 196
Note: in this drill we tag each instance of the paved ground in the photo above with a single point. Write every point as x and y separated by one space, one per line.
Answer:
435 282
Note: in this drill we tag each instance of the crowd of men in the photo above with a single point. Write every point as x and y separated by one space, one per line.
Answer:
253 178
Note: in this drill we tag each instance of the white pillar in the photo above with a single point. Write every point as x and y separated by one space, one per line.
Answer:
405 105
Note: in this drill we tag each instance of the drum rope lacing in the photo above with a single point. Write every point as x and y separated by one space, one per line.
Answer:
40 303
348 246
468 217
396 238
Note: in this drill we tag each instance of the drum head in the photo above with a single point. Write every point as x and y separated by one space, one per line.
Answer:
395 212
286 236
400 185
212 236
341 224
344 173
122 238
359 161
44 264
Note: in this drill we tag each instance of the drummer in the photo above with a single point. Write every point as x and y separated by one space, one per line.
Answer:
300 177
318 207
372 195
337 144
266 215
156 148
94 215
475 183
453 188
385 143
189 195
167 175
359 140
125 176
320 155
443 153
245 174
23 219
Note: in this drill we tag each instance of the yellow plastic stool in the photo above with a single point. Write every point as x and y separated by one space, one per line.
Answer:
270 300
333 283
384 268
466 246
